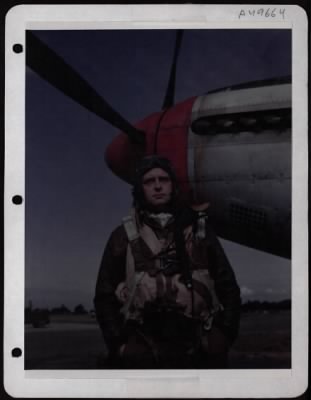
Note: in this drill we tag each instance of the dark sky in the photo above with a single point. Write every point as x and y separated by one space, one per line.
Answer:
72 200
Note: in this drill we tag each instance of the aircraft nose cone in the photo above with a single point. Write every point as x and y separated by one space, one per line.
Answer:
122 157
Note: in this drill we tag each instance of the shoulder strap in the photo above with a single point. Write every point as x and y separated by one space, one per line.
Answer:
145 232
130 226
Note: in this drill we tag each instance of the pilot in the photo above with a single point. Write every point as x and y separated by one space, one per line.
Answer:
166 295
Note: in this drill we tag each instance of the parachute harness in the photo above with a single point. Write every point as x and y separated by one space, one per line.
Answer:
184 240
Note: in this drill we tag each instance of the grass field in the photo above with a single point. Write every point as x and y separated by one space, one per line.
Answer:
75 342
264 341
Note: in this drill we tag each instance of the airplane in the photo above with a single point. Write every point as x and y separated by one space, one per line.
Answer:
230 147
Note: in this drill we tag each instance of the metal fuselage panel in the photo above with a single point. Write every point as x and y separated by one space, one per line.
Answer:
245 175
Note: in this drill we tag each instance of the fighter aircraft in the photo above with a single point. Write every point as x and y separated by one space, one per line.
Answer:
230 147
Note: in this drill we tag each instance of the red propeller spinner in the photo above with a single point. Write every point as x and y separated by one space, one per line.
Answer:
166 134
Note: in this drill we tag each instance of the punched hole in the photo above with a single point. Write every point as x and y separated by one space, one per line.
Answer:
17 48
16 352
17 199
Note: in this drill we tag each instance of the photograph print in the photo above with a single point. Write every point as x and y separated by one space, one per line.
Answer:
158 199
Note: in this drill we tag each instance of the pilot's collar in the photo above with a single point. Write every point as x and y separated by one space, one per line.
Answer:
161 218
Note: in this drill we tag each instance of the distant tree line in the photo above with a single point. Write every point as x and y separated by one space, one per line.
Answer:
256 305
63 310
248 306
44 313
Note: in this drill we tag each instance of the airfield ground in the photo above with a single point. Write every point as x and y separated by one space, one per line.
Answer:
75 342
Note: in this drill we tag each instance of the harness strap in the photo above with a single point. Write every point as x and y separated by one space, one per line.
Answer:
132 277
208 292
132 281
203 291
201 227
130 228
169 288
150 238
145 232
160 286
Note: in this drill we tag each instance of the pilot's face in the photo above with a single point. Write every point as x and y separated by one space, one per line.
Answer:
157 187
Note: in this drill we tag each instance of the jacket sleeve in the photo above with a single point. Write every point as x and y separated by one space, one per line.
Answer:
107 306
226 287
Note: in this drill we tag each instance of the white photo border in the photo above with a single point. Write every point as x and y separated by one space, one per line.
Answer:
159 383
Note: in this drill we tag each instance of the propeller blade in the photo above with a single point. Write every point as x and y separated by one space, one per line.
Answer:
51 67
170 91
